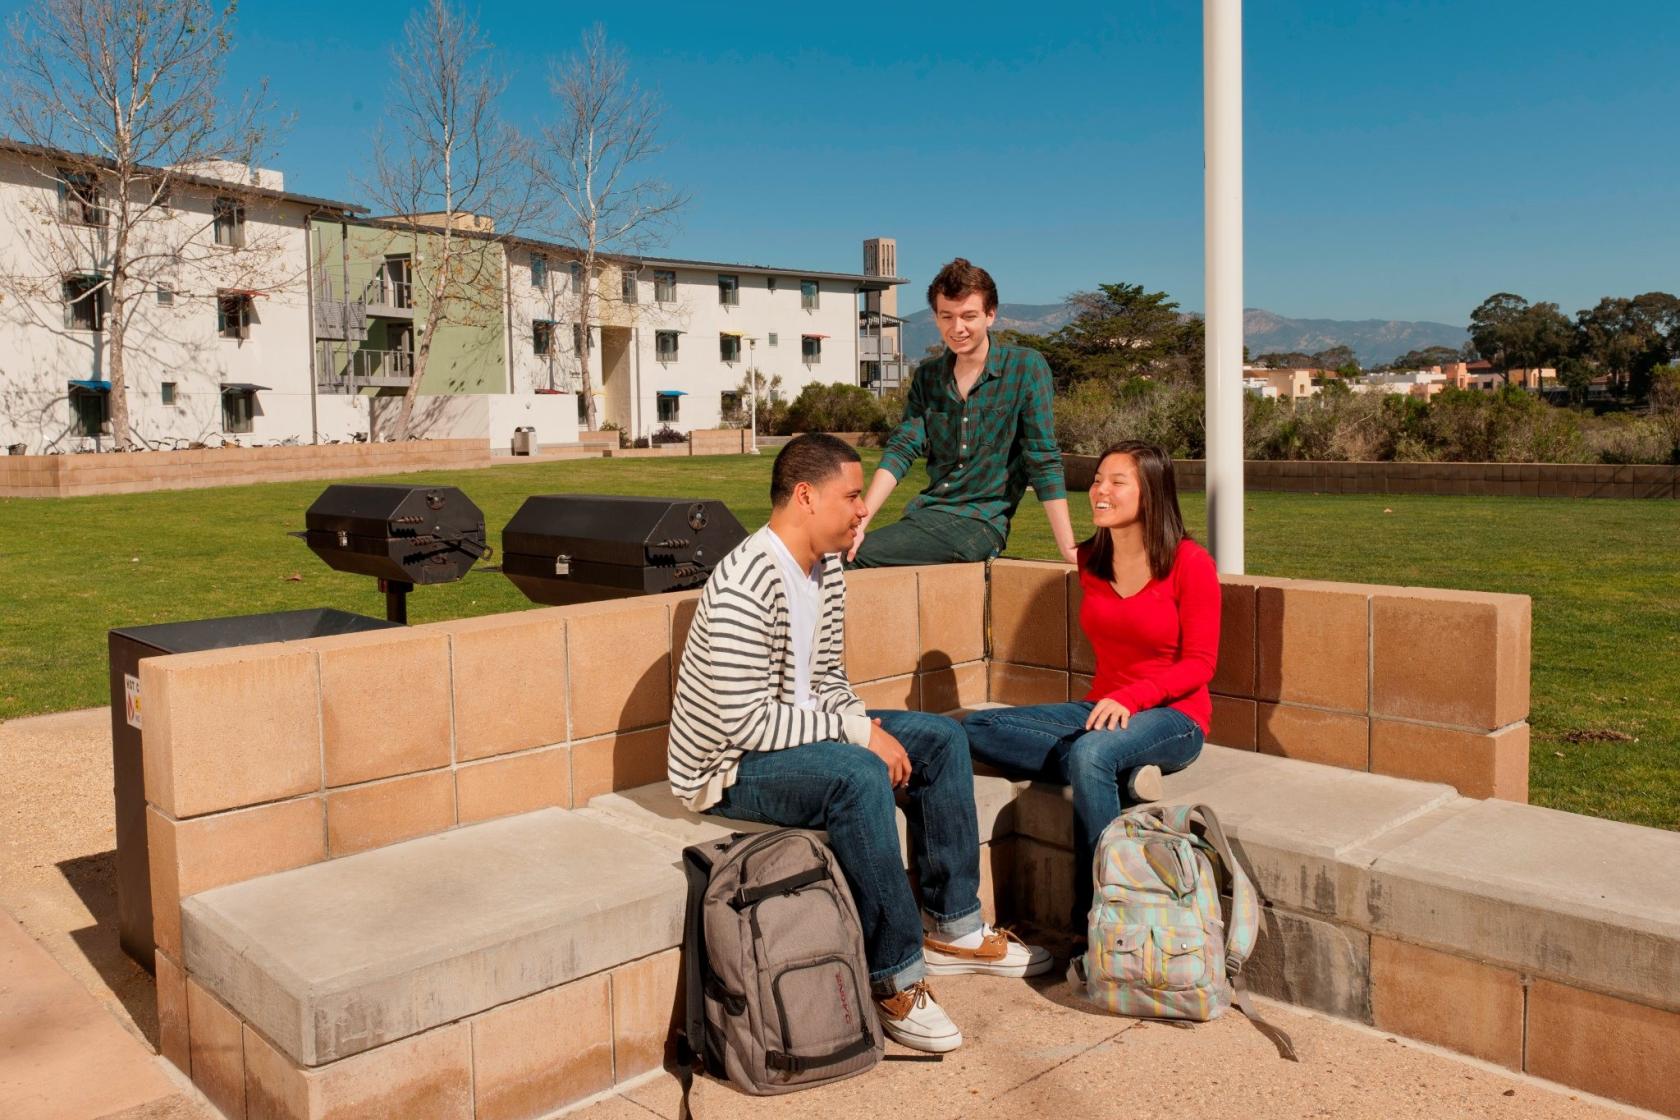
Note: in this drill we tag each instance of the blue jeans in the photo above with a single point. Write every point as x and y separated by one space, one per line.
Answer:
1049 742
843 788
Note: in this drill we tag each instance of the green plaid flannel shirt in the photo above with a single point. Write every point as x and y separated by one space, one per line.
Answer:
982 452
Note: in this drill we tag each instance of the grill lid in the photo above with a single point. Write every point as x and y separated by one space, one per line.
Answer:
417 534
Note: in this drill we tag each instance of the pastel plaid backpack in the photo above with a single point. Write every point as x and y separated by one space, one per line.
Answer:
1160 946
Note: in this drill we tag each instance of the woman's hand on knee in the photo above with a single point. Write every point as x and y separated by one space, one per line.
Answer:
1107 716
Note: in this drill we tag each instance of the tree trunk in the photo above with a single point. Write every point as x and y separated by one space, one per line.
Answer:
422 352
585 299
116 341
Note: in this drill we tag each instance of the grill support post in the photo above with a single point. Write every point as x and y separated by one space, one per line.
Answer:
396 600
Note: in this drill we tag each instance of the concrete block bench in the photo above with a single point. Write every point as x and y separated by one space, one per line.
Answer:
432 872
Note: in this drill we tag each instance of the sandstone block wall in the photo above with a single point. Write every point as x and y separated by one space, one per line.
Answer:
65 476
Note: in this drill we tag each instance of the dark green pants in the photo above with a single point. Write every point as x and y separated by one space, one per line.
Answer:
926 536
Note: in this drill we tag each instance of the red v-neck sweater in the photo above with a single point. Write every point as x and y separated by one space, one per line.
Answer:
1156 648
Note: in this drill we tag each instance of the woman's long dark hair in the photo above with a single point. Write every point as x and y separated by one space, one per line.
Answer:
1163 524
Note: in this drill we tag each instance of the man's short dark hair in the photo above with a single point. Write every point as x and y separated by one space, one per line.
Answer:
959 280
814 457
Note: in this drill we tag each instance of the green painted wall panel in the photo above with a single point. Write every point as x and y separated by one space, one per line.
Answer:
467 355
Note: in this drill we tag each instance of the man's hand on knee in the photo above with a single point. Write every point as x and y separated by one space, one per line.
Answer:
890 751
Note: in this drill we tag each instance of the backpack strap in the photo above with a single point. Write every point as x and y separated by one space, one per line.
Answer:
691 1041
1241 931
1244 926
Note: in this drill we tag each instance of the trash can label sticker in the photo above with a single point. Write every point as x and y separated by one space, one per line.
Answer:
131 700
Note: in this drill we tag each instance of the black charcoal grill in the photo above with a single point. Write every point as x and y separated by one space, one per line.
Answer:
402 535
574 548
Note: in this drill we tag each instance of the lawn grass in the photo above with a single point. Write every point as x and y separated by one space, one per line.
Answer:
1604 575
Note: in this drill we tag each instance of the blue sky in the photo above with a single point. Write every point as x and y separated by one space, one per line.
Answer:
1404 160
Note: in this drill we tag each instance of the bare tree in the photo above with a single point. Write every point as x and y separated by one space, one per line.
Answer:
592 174
452 173
117 103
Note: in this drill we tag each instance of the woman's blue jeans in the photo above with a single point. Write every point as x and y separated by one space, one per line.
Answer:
1049 742
845 789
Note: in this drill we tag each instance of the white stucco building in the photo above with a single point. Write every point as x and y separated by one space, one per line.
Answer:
239 299
673 340
218 346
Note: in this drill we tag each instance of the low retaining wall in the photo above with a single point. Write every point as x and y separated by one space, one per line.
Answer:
1528 480
1513 933
65 476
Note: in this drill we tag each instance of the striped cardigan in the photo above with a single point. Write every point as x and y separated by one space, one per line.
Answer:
735 683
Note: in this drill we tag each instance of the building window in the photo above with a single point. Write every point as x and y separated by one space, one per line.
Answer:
78 196
539 271
669 407
729 406
233 315
772 338
89 411
163 195
542 337
729 289
810 349
808 294
168 394
229 222
769 283
577 274
627 286
238 406
84 302
665 345
665 286
165 294
729 347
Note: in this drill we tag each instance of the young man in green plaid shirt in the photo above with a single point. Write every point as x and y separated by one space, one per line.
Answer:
981 414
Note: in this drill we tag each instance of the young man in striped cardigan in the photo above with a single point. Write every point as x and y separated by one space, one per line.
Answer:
765 727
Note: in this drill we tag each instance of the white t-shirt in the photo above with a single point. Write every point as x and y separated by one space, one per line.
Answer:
804 596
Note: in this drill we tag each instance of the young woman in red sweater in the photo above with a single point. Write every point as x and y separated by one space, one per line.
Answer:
1151 612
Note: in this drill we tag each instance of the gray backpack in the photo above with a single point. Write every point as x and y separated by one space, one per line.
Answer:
778 994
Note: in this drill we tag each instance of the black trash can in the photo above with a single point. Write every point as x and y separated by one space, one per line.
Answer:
129 646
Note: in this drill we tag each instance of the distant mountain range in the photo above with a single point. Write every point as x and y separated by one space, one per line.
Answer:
1374 340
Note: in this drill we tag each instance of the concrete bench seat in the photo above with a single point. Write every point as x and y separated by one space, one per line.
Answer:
339 957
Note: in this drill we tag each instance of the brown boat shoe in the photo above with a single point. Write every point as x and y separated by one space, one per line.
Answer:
1000 953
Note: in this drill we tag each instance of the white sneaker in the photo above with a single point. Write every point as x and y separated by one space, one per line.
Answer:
914 1018
1146 784
1000 953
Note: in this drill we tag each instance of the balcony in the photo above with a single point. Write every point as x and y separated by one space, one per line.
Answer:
872 348
388 297
338 371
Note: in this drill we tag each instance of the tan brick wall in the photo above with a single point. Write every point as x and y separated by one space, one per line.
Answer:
1466 1006
1604 1045
63 476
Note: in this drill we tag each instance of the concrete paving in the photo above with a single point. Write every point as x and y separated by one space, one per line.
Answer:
63 1057
1029 1053
58 859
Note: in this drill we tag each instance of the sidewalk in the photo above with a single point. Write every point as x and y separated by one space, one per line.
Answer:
62 1056
1030 1053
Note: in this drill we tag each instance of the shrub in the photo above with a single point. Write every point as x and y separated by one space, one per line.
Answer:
822 407
1624 438
666 434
